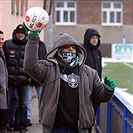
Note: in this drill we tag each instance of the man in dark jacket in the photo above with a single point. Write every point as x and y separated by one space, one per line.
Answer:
14 51
67 85
3 87
94 59
91 45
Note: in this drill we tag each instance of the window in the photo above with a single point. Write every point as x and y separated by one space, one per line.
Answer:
112 13
65 13
18 7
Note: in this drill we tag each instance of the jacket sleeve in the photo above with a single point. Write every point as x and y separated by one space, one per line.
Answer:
99 91
32 66
96 86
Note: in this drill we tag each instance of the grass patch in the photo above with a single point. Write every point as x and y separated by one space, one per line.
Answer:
120 73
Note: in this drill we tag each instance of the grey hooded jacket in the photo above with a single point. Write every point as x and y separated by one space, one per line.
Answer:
3 85
47 73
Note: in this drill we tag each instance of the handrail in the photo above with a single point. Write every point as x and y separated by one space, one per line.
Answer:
117 108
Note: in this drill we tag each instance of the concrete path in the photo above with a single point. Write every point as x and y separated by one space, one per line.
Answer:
36 127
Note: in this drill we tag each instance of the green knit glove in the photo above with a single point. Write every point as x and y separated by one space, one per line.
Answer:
29 32
109 84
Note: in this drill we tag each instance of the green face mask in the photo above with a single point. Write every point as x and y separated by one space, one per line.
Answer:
70 58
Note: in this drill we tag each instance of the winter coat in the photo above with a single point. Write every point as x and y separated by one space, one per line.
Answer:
47 73
3 83
94 58
41 56
14 52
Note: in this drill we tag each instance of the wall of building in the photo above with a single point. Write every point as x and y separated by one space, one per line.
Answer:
88 15
8 21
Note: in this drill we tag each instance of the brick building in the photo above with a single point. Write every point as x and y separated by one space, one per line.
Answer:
111 18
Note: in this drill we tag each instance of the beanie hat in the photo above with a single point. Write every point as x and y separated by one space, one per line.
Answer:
20 29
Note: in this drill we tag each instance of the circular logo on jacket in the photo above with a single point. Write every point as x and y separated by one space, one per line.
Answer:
73 80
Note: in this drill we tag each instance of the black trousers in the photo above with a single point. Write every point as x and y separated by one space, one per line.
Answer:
3 118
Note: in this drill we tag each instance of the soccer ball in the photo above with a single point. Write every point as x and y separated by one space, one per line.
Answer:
36 19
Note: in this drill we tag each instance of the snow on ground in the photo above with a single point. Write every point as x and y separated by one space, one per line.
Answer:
122 91
126 96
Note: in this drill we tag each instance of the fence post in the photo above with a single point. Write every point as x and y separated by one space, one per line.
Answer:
97 118
124 121
108 117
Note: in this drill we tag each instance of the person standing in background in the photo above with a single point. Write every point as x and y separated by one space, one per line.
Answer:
41 56
3 87
94 58
91 45
14 51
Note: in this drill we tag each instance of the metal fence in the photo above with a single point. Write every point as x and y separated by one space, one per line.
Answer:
116 116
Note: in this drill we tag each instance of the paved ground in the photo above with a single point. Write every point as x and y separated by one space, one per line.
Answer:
36 127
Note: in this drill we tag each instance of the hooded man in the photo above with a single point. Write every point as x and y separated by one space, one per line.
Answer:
94 59
67 85
91 45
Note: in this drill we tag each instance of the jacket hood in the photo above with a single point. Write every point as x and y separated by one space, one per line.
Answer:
63 39
88 35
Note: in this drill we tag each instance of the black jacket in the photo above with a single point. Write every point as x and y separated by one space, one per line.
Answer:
94 58
41 56
14 52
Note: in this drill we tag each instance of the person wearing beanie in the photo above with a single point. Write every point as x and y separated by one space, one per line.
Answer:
18 80
68 85
20 29
94 58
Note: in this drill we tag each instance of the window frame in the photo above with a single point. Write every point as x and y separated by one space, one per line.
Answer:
68 10
19 7
113 10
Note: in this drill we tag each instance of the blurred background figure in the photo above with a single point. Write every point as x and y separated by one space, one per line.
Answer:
14 51
3 87
94 58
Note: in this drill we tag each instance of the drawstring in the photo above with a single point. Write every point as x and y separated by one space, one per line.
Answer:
57 77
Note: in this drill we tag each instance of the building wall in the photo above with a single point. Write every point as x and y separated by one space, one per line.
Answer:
127 12
88 12
88 15
8 22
